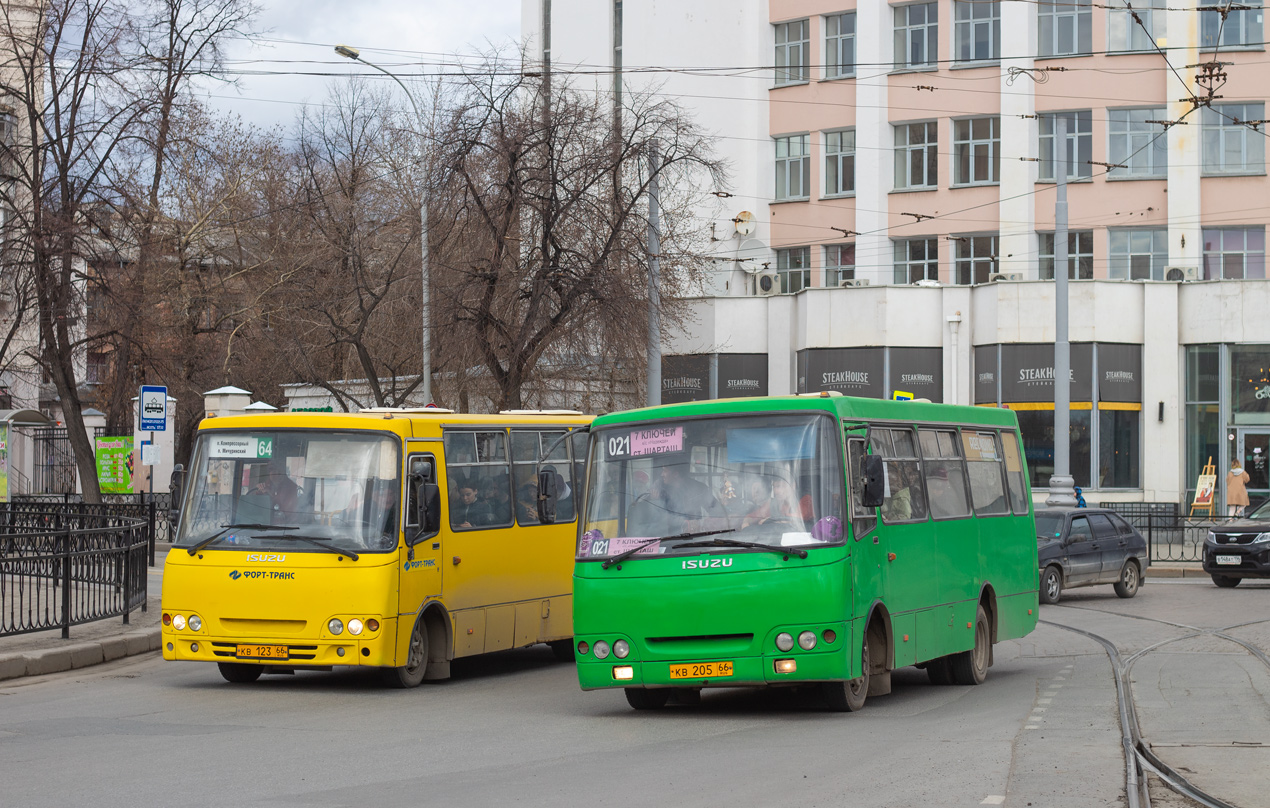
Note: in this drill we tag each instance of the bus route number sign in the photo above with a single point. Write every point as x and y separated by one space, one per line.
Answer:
645 442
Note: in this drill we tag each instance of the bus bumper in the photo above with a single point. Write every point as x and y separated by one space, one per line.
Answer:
375 649
828 662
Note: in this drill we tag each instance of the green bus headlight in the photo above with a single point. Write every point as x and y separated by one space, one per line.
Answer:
785 641
807 640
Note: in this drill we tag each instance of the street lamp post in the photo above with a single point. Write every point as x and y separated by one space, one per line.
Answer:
353 53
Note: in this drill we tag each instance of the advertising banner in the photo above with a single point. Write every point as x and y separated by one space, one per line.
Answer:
986 374
685 378
1119 372
1027 372
918 371
850 371
114 465
742 375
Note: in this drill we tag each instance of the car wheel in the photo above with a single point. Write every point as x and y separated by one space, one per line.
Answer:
240 673
849 696
1226 581
1129 581
643 699
1051 585
971 667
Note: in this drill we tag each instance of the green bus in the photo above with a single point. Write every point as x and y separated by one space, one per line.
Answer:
805 540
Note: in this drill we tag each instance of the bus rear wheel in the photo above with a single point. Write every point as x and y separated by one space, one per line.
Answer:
971 667
240 673
849 696
563 649
411 674
937 671
644 699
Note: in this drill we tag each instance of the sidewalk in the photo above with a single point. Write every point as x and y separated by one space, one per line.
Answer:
101 641
43 652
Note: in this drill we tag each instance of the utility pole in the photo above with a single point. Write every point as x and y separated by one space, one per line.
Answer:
654 274
1062 485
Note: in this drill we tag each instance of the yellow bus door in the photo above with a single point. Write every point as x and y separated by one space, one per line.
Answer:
419 566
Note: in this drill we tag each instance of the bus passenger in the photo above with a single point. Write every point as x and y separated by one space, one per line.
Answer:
497 500
467 511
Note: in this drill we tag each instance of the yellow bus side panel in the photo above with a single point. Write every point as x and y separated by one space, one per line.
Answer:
469 632
500 627
528 622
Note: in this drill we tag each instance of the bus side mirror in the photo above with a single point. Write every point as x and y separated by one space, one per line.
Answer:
427 499
548 494
176 487
873 481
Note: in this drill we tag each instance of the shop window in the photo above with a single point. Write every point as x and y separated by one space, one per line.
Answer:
1118 448
1250 384
1037 429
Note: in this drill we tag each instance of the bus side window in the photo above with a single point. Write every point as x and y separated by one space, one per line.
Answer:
905 498
527 449
1014 473
945 474
984 468
477 470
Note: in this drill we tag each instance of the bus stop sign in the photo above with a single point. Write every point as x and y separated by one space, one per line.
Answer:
153 403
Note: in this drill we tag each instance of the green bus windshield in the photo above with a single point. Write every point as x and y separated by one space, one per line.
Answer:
774 480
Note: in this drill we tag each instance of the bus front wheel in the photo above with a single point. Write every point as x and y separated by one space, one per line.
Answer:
971 667
240 673
644 699
411 674
849 696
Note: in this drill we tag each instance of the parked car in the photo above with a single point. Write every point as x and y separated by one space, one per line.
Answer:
1239 549
1086 547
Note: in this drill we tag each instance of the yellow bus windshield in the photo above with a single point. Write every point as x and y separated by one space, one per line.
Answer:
302 490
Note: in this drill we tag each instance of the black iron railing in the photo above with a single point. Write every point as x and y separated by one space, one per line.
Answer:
67 565
1170 534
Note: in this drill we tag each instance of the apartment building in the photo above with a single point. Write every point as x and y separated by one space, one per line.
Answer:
906 204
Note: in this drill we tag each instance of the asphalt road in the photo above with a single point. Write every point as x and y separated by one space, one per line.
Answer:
513 729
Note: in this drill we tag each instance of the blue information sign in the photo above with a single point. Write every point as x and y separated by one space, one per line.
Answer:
153 403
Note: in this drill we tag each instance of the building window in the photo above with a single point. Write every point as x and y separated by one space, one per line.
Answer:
1242 28
1080 255
1118 448
840 163
1138 254
1140 146
976 31
793 267
793 167
792 53
1229 145
839 263
96 369
840 46
1234 253
1203 410
1126 34
976 259
1065 27
916 156
916 36
1036 427
1080 145
977 151
916 259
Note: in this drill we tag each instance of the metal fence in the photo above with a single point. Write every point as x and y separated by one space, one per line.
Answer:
1170 535
134 505
65 565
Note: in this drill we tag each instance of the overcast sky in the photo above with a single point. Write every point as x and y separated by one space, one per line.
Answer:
302 33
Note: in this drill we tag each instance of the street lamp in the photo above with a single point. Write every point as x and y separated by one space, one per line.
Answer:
355 54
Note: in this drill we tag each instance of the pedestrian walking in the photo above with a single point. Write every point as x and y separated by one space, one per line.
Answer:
1236 490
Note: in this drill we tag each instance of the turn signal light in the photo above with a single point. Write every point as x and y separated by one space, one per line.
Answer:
167 619
786 666
372 624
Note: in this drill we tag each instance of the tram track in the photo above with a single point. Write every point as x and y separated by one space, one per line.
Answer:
1140 758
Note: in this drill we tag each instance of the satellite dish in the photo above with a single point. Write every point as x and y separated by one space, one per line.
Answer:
744 223
751 255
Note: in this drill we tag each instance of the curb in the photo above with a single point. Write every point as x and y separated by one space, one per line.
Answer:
79 655
1176 572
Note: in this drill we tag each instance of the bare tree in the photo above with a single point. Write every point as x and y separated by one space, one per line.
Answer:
539 241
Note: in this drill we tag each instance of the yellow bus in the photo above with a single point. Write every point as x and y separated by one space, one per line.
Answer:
396 539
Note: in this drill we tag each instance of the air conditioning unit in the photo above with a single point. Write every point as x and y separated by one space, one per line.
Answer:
854 282
1181 273
1005 276
767 283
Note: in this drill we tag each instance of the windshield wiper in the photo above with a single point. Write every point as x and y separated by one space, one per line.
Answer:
625 554
737 543
244 526
317 542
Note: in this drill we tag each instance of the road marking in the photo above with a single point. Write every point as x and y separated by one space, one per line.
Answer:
993 799
1043 701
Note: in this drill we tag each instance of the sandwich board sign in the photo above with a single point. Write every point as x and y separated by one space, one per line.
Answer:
153 402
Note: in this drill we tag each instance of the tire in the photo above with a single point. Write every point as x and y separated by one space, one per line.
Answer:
688 696
411 674
240 673
643 699
563 649
1130 580
849 696
1051 585
938 673
971 667
1225 581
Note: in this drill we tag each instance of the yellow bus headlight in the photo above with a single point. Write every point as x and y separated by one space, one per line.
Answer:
178 622
354 626
336 626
